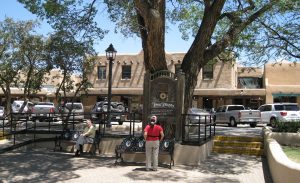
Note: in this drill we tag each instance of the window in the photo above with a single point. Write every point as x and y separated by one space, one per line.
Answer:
177 67
207 72
267 108
101 72
286 107
249 82
126 72
232 108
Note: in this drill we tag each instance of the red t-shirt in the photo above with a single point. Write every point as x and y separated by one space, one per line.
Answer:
153 133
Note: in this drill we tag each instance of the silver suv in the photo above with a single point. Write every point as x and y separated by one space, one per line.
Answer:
284 112
75 110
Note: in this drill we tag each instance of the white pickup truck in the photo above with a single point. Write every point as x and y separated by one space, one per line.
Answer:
283 112
236 114
43 111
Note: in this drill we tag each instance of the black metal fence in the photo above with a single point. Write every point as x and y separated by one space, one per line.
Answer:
197 129
21 128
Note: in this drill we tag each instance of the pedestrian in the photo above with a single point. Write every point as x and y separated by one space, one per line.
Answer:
87 137
153 133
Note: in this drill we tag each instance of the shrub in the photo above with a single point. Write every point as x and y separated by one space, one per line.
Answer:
291 127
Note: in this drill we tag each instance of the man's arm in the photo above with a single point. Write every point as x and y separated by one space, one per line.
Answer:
145 135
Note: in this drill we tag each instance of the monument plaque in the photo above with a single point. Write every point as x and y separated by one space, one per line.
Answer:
163 97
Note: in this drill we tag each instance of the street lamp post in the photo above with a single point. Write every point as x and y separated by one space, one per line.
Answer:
110 55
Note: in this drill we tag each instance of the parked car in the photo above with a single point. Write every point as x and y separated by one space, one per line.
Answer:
44 111
197 115
285 112
2 112
236 114
16 107
75 111
99 110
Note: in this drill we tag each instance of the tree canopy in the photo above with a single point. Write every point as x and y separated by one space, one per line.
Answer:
23 60
258 29
70 45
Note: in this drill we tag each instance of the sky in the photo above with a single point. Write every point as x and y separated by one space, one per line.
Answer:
173 42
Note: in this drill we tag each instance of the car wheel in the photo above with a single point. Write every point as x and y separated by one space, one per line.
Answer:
273 122
232 122
120 122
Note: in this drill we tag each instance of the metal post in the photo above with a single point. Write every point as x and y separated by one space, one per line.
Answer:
109 92
110 55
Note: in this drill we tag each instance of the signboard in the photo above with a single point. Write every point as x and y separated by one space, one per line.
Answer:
163 108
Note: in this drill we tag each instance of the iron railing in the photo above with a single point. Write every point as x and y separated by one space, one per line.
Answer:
21 128
197 129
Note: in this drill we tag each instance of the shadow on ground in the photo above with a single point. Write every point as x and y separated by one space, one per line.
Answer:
41 166
44 165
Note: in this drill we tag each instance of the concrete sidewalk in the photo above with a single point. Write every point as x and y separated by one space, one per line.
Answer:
41 165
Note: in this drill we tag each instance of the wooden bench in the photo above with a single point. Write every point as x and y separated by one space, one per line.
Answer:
132 145
70 137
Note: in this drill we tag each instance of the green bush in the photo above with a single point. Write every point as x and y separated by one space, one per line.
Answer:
290 127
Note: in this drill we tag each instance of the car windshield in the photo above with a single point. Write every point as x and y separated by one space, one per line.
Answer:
238 107
287 107
44 103
197 110
75 106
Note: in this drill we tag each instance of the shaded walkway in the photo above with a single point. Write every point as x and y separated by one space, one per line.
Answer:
42 165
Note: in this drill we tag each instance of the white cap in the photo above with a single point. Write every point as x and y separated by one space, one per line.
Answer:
153 119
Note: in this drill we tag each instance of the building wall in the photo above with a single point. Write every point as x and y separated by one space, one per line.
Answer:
223 77
223 72
282 80
137 72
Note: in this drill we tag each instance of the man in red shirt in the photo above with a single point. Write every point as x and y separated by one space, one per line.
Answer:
152 134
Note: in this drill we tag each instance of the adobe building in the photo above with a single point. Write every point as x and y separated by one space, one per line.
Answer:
218 84
282 82
47 92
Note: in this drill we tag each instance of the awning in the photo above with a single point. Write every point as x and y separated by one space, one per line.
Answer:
286 94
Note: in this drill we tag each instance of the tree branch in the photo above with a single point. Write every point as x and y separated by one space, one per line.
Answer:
280 37
234 15
234 31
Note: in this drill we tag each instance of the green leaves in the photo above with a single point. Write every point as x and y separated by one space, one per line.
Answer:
23 57
53 8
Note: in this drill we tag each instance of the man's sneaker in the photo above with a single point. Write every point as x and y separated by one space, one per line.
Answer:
147 169
154 169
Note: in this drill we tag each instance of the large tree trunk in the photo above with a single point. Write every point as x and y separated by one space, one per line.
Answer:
151 17
194 59
202 51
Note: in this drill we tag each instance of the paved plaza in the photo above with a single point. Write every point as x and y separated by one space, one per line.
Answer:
38 164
